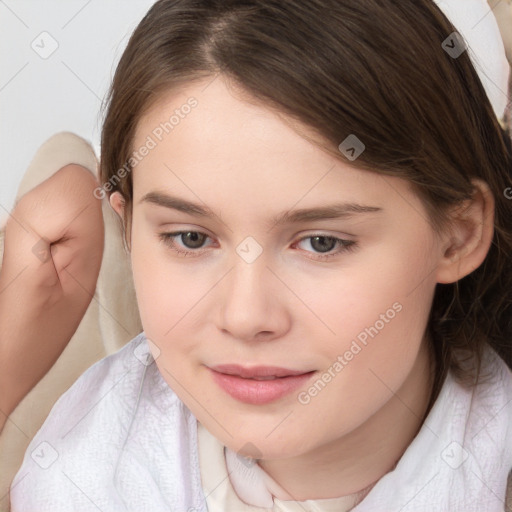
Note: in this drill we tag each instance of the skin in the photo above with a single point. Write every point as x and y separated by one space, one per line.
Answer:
289 307
52 257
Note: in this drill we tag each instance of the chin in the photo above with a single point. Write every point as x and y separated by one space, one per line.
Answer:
260 447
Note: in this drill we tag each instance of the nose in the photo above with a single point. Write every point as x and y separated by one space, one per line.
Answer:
252 303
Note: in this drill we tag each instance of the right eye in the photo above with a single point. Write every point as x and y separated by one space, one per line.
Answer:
185 243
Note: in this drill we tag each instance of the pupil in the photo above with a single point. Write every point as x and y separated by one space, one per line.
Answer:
192 239
323 243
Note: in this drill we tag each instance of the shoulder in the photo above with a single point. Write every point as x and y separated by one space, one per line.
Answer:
495 384
490 412
119 431
110 387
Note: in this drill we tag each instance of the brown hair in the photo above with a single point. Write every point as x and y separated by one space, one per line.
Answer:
372 68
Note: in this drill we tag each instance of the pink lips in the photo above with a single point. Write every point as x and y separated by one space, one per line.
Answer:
258 384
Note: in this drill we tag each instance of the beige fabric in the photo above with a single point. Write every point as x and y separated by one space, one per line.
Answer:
111 320
502 10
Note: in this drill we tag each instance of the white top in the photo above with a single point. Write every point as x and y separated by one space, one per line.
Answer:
120 439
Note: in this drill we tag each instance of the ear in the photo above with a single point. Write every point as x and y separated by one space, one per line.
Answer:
118 203
469 235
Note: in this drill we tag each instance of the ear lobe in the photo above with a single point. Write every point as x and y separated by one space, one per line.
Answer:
117 202
470 235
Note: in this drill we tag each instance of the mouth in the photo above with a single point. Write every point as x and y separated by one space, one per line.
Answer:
257 372
258 385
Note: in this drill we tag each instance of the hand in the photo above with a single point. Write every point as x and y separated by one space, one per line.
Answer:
52 256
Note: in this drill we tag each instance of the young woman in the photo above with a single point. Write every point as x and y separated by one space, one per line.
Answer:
314 197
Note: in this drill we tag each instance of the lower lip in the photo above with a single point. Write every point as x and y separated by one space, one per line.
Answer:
257 392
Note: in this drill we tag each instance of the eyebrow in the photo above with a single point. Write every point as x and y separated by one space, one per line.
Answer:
333 211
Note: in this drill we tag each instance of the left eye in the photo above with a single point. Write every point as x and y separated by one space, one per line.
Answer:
323 244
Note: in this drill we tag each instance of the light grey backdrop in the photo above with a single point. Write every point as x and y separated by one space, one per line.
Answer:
56 61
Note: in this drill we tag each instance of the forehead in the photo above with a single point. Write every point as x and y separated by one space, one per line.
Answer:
215 115
210 142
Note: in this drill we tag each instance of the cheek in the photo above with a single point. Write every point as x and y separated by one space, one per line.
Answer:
165 293
381 301
379 312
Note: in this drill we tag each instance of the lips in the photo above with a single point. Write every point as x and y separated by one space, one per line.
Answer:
258 385
257 372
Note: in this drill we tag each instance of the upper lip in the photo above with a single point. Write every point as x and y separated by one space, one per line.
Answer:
256 371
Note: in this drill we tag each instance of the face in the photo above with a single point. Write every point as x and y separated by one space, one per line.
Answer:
288 258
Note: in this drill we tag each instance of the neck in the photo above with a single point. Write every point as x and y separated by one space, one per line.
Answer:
358 460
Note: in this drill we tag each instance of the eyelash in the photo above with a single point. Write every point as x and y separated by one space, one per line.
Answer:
345 245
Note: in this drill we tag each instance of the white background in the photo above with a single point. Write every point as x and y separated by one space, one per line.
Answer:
40 97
